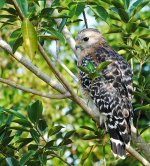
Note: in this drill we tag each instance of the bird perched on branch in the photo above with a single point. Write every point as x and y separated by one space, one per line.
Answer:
106 83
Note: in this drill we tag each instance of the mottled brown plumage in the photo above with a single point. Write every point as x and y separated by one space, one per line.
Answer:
109 96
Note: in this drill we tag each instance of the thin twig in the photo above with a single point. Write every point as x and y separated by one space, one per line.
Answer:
85 20
33 91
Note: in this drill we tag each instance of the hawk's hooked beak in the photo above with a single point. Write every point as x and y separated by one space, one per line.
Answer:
77 46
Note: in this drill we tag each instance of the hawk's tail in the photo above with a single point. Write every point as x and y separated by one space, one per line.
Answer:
119 132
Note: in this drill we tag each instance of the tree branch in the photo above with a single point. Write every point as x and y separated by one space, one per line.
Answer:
33 91
137 156
32 68
140 143
18 9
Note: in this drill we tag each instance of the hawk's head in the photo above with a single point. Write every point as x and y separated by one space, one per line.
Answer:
89 38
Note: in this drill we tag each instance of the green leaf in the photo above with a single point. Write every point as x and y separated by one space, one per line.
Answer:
49 152
69 134
114 30
127 3
117 4
54 130
8 16
123 15
11 11
84 69
114 17
55 3
142 43
53 32
7 140
106 1
89 137
21 129
23 122
35 111
134 5
87 128
2 128
46 12
26 157
66 142
114 10
29 38
100 12
140 6
62 24
55 148
144 108
14 36
2 135
42 158
87 153
35 135
103 65
90 66
9 119
17 43
24 141
42 125
11 161
50 143
33 147
143 25
23 5
2 2
15 113
144 129
131 27
76 8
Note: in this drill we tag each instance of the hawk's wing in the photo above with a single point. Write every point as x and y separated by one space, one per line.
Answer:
112 94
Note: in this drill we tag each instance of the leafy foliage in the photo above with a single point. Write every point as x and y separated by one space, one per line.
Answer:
27 136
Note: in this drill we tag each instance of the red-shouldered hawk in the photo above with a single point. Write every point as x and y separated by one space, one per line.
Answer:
108 94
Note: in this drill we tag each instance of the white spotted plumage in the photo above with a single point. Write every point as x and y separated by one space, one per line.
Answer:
109 95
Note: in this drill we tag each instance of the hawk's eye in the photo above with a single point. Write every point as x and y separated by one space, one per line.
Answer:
85 38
